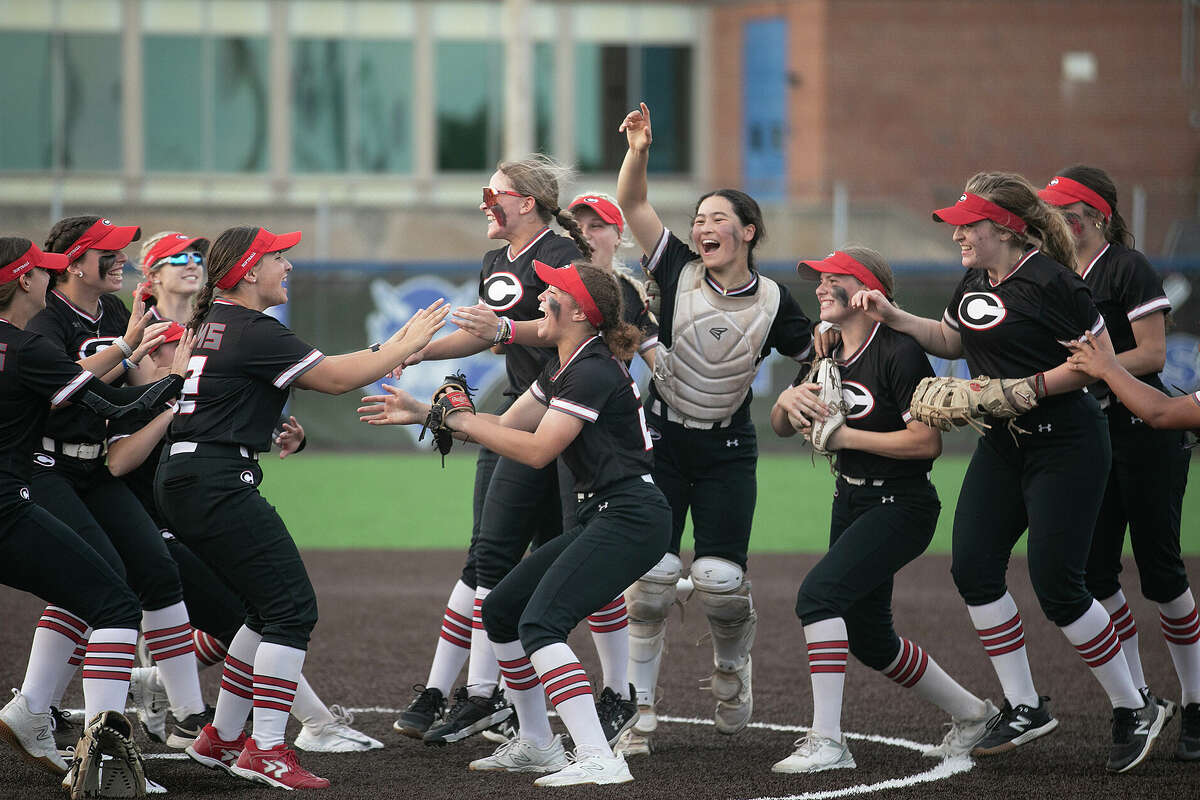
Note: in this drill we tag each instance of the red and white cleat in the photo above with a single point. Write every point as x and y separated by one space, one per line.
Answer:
276 767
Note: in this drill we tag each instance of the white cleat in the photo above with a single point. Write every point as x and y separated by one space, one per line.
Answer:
633 743
31 735
522 755
963 735
816 753
148 696
598 769
336 736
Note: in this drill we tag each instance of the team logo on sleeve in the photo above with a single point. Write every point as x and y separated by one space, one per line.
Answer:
858 398
502 291
981 310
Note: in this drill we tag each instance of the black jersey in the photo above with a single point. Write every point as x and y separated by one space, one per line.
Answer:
140 479
79 334
239 377
1012 329
1125 288
509 286
636 311
878 381
34 374
596 387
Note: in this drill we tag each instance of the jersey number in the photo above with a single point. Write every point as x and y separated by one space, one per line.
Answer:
3 350
637 395
191 385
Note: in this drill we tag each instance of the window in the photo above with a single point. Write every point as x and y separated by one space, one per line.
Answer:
470 91
543 96
25 137
612 79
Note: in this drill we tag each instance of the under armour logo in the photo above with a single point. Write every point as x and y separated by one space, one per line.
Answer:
247 477
717 332
891 498
731 442
1136 420
1020 724
1045 428
276 768
24 492
602 506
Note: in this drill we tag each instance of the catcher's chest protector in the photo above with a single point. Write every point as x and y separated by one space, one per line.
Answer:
715 345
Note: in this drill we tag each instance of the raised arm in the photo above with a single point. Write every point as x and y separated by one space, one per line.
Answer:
934 335
1093 358
644 223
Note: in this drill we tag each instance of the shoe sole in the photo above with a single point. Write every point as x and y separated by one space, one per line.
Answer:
628 724
476 727
41 762
207 761
1025 738
411 731
594 782
344 745
1155 730
852 764
258 777
180 742
531 768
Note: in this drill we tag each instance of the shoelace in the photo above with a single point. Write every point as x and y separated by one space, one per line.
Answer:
340 715
425 702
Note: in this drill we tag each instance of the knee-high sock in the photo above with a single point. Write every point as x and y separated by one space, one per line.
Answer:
482 670
1181 627
209 649
610 633
236 697
106 669
454 641
57 635
915 669
74 662
828 646
169 639
568 690
277 669
524 690
1127 632
1002 635
308 707
1096 641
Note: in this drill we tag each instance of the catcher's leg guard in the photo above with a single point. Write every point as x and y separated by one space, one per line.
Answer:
647 602
725 594
107 762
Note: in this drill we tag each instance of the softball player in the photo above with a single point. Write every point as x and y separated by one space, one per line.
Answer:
718 319
91 605
1149 470
172 266
1014 305
91 325
885 511
239 377
584 407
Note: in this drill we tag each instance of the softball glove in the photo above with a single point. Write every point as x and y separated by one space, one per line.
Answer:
453 396
947 403
825 373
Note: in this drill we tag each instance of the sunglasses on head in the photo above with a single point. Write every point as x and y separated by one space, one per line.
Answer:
182 259
490 194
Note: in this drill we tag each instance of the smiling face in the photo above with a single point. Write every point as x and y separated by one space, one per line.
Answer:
602 236
271 274
718 235
833 296
185 279
558 308
102 270
984 246
504 215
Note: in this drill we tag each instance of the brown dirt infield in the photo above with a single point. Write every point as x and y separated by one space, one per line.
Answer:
380 613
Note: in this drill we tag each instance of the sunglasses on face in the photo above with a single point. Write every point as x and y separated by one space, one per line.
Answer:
182 259
490 195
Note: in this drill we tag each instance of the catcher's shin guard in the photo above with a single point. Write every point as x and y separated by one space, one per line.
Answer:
107 762
648 600
725 595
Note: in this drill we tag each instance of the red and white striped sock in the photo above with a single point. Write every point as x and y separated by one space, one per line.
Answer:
308 707
828 648
610 633
915 669
482 670
454 641
1181 628
209 649
58 635
568 690
277 669
524 690
236 697
74 662
168 637
106 670
1002 635
1127 632
1095 639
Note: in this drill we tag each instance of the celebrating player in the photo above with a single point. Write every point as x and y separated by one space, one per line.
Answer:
583 406
239 377
173 268
885 511
1013 306
718 319
1150 405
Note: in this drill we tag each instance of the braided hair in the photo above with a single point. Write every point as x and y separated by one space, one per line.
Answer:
621 337
539 176
223 256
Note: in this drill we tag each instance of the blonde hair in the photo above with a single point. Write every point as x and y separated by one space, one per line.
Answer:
1047 228
148 245
539 176
619 267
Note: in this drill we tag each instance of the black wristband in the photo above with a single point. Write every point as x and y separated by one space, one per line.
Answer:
375 347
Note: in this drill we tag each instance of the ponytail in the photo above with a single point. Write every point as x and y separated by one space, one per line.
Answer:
1096 179
568 223
230 246
1047 229
621 337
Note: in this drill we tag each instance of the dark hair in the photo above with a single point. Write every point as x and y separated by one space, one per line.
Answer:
539 176
748 213
1096 179
226 249
1047 228
621 337
64 234
11 248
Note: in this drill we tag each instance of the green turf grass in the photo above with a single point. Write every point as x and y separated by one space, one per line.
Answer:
407 501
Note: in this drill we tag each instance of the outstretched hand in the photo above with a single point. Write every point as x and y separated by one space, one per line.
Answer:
1092 356
397 407
874 304
421 327
478 320
636 127
291 436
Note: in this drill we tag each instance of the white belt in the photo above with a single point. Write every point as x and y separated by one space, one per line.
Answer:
870 481
657 407
190 447
581 496
85 452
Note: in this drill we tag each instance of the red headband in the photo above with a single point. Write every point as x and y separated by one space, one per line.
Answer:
839 263
33 257
103 235
1062 191
567 278
264 242
972 208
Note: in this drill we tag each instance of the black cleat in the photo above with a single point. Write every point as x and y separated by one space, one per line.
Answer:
1189 734
66 731
616 714
1134 731
425 709
185 730
468 716
1013 727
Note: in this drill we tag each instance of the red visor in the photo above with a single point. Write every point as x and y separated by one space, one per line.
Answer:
606 209
33 257
103 235
264 242
1062 191
972 208
169 246
567 278
173 334
839 263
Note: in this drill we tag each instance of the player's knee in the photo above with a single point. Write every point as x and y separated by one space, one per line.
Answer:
500 619
873 648
813 601
1102 585
538 633
723 589
976 585
651 596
